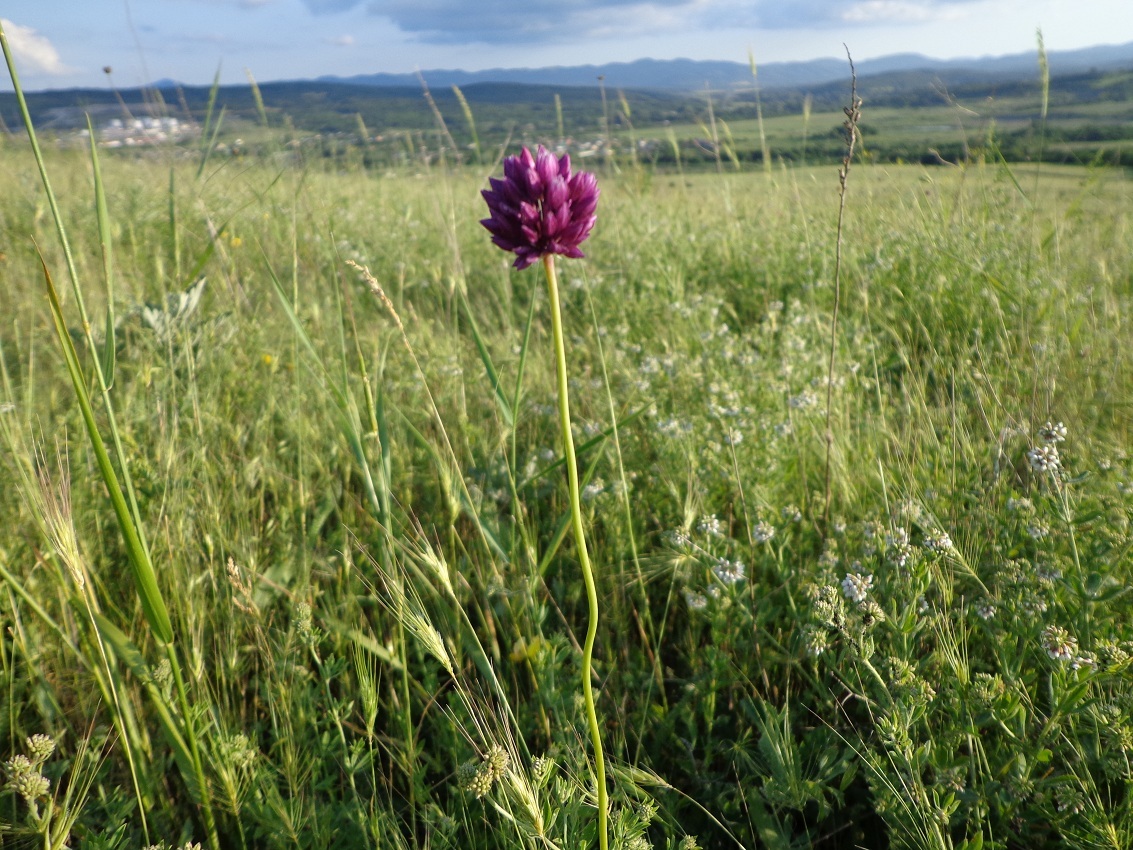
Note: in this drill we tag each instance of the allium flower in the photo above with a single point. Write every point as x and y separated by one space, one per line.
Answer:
540 208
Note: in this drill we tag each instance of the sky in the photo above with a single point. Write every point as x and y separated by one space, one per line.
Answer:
68 43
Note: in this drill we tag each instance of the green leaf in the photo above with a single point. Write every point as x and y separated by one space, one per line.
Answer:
145 579
132 657
486 358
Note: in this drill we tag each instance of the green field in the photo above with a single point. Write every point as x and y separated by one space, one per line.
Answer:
356 511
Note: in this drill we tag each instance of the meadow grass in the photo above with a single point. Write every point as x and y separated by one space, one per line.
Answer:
356 511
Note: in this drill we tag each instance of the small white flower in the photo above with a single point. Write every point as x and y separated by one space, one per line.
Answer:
1053 433
695 601
593 490
1059 644
729 572
856 587
762 531
711 526
899 537
802 401
901 554
937 540
1023 505
1045 458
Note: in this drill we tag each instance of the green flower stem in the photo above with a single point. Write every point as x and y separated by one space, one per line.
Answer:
580 543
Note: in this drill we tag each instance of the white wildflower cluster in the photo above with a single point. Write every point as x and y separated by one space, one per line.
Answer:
985 610
1045 458
815 641
803 401
593 490
830 608
762 531
937 540
695 601
678 538
791 513
710 526
1022 505
1052 434
856 587
1060 645
911 510
829 559
1037 530
898 549
729 572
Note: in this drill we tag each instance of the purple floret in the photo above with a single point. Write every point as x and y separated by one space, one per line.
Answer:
540 208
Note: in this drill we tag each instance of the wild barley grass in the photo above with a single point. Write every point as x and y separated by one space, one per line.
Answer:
946 663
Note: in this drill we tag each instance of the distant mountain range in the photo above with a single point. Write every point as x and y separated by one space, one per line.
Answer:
668 92
691 75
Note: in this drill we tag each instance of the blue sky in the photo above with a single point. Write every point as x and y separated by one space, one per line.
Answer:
64 43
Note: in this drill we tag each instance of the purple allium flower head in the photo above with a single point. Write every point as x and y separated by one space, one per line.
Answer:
540 208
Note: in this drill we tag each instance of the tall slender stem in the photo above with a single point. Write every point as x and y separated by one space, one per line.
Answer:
853 115
580 544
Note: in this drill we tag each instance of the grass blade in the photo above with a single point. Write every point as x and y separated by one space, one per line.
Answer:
145 579
486 358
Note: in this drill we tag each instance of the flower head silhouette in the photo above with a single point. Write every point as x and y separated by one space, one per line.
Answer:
540 208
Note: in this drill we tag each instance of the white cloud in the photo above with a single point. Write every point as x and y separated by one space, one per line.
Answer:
897 11
34 54
341 41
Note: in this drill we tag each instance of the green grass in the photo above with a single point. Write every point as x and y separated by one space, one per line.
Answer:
361 536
